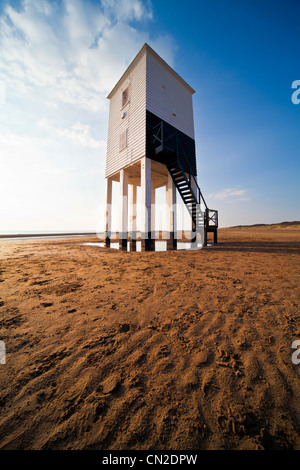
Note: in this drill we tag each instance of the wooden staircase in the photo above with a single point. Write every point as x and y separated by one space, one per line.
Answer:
186 192
169 150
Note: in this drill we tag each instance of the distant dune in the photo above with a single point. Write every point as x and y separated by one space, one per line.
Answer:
289 225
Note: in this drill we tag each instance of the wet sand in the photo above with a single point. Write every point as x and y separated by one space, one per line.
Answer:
160 350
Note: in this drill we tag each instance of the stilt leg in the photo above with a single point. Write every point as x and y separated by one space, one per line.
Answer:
215 237
108 200
133 226
123 233
171 216
147 242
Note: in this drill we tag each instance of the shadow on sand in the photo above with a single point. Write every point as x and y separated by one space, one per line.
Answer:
257 247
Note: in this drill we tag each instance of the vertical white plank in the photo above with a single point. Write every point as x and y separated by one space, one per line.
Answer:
146 203
108 210
133 211
123 209
171 215
133 216
153 223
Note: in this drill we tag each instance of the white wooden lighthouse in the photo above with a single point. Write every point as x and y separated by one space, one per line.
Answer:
151 144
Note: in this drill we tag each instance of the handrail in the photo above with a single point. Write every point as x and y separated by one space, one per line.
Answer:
161 139
159 126
213 218
200 195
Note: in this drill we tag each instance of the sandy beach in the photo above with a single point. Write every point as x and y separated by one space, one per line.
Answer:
157 350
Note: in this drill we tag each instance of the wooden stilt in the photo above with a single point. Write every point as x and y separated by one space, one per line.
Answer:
108 201
171 216
123 234
148 244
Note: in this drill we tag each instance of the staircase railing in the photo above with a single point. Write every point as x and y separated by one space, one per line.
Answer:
211 218
192 178
158 135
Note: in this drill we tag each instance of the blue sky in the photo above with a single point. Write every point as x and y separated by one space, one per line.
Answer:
59 60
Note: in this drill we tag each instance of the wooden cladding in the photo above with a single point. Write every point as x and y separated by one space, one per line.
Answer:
123 140
148 84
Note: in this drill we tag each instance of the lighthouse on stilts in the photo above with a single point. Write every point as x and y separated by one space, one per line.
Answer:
151 144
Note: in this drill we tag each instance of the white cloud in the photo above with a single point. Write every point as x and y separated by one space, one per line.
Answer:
230 194
166 47
128 9
78 133
81 134
76 52
58 62
38 193
26 174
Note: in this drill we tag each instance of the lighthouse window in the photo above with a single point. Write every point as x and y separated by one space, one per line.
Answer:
125 97
123 139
